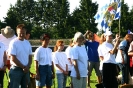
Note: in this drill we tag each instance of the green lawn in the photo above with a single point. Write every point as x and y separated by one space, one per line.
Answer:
93 79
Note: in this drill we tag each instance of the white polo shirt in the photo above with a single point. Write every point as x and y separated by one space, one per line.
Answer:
2 50
22 50
43 56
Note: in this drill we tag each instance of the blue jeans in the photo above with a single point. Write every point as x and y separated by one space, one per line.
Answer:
125 73
45 76
18 77
61 78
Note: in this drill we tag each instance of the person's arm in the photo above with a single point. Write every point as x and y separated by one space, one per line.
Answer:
63 71
122 56
76 68
36 69
53 70
17 62
30 61
130 53
101 58
113 51
5 61
85 35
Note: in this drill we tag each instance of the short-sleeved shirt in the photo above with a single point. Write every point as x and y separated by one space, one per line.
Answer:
100 54
79 53
68 52
43 56
122 46
6 41
2 50
108 58
21 49
91 48
60 58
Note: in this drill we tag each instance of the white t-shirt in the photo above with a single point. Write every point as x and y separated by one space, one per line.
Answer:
43 56
6 41
2 50
79 53
100 54
68 52
60 58
108 58
22 50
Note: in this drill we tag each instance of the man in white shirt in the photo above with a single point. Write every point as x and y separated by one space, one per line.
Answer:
21 59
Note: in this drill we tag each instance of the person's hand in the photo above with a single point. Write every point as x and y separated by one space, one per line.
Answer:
118 41
26 69
88 31
37 77
65 72
123 62
78 76
53 76
4 68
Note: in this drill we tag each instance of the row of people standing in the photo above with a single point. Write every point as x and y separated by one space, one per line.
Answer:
44 59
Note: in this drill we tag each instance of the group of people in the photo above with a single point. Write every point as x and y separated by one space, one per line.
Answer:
83 55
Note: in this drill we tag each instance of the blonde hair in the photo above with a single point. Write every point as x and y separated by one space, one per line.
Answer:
102 38
58 43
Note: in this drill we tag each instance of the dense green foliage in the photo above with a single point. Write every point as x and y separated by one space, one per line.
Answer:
54 17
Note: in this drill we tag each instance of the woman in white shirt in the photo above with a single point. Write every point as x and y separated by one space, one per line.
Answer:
80 62
109 64
61 64
43 63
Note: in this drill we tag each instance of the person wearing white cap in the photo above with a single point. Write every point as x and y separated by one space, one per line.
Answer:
109 64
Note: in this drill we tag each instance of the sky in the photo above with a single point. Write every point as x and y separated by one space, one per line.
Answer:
5 4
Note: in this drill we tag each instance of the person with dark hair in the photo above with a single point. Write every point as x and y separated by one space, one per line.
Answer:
27 35
93 57
61 64
122 57
43 63
20 57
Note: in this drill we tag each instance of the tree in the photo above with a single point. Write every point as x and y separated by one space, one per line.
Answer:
88 10
125 21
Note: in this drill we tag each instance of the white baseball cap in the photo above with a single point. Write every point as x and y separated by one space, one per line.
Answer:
108 33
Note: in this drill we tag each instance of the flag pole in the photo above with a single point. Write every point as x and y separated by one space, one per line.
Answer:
120 19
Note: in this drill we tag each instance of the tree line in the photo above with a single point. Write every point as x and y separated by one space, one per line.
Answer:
54 17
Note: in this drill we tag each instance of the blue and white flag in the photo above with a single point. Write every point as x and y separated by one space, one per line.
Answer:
129 32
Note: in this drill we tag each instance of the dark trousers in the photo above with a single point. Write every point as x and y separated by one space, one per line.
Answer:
125 73
1 78
109 75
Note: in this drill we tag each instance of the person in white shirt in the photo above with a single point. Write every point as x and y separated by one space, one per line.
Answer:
43 63
3 65
102 39
20 57
7 34
80 62
68 52
61 64
109 64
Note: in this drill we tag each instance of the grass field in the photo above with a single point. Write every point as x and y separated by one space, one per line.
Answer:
93 79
